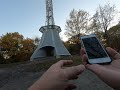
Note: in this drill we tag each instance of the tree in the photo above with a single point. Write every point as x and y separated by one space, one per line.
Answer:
94 24
114 32
1 59
103 18
1 55
72 45
11 42
36 41
74 49
16 48
26 50
76 24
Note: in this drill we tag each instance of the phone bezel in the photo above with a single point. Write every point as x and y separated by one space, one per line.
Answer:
96 60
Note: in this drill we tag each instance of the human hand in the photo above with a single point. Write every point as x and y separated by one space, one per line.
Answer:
110 74
57 77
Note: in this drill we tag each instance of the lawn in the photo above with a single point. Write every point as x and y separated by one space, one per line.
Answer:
37 66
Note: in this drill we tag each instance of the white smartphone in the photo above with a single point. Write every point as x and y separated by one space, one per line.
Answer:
95 51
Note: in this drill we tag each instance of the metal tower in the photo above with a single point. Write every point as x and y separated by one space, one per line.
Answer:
50 44
49 13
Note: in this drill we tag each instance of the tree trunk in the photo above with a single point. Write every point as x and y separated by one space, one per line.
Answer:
107 37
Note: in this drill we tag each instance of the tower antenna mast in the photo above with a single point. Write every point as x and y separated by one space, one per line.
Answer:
50 44
49 13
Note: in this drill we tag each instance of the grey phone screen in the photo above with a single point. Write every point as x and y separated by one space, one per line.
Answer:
93 48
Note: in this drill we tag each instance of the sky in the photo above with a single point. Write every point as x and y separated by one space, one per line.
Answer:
27 16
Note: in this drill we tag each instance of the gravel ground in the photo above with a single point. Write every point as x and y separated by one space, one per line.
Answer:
18 80
89 81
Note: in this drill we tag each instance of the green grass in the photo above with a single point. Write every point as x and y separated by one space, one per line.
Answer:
45 65
38 66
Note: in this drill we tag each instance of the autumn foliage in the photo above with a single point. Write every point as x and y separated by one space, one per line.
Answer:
15 47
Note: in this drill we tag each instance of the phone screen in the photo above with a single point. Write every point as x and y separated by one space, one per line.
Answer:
93 48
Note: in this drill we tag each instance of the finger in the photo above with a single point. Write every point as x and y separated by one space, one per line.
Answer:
74 78
70 87
82 51
63 62
84 59
74 71
114 54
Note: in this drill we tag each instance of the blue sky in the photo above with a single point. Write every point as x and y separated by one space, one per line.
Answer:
27 16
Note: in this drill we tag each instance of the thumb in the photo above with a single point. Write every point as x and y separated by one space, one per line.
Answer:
72 72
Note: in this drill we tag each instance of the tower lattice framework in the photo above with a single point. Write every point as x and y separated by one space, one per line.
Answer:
50 44
49 13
